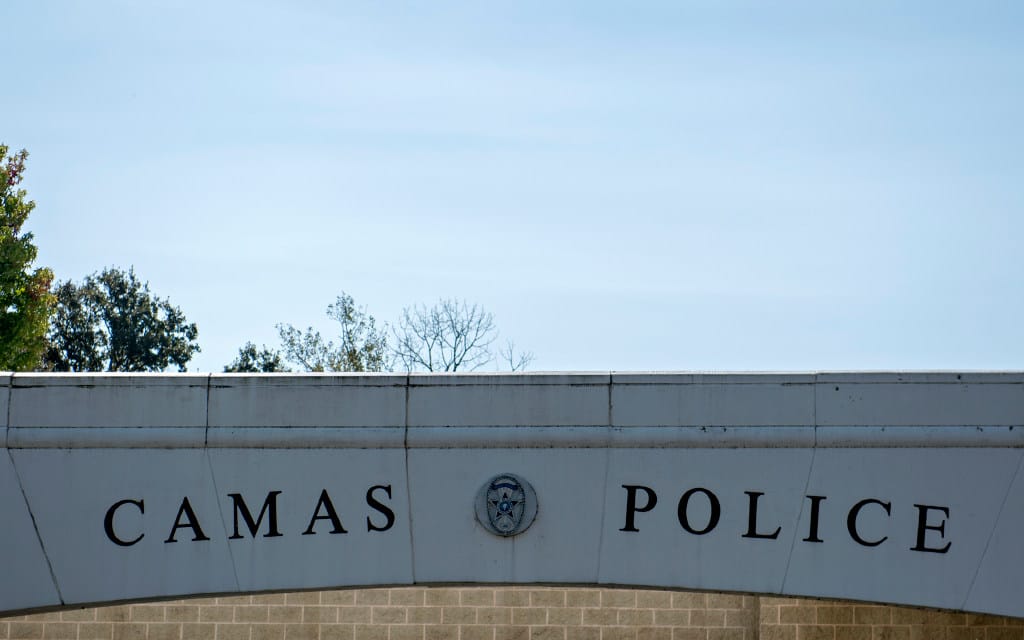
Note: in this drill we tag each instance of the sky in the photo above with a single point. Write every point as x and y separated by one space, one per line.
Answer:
724 185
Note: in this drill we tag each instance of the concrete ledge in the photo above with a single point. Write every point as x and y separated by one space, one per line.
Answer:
316 400
564 437
775 400
307 438
939 400
108 400
921 436
731 437
568 378
103 438
509 400
543 410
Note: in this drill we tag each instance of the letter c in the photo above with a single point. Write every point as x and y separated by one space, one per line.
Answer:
108 522
851 521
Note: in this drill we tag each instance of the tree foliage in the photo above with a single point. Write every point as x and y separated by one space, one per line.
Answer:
253 360
449 336
25 298
111 322
361 345
452 335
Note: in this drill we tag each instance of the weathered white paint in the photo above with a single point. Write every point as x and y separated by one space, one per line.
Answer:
77 444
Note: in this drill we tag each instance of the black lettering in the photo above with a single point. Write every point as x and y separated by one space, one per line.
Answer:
192 522
716 511
381 507
923 527
269 509
108 522
752 519
632 509
851 521
332 515
812 534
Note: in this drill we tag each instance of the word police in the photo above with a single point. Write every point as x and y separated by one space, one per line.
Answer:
930 531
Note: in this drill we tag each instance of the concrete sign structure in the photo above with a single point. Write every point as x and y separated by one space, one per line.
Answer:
885 487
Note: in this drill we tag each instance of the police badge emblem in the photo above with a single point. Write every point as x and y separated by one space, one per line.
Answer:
506 505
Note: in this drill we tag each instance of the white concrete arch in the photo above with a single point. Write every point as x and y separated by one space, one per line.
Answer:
883 487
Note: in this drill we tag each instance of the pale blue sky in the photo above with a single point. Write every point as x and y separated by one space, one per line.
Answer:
643 185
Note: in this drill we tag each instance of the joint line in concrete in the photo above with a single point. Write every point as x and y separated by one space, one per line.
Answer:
35 527
995 525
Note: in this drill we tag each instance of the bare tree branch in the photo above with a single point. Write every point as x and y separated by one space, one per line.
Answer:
449 336
515 361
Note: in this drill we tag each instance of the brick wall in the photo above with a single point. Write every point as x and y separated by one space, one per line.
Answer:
512 613
802 619
478 613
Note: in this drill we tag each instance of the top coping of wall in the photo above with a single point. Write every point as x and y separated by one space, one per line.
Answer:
540 377
514 410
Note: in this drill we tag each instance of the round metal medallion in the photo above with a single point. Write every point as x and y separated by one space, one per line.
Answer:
506 505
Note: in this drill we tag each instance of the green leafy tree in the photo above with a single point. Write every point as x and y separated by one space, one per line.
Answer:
253 360
452 336
25 298
111 322
361 345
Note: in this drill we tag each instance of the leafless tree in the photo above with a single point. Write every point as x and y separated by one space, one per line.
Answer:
449 336
516 360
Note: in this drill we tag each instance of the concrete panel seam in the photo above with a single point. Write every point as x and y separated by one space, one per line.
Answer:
604 514
995 525
7 418
35 527
223 523
206 433
807 484
408 488
604 496
799 515
610 404
814 409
